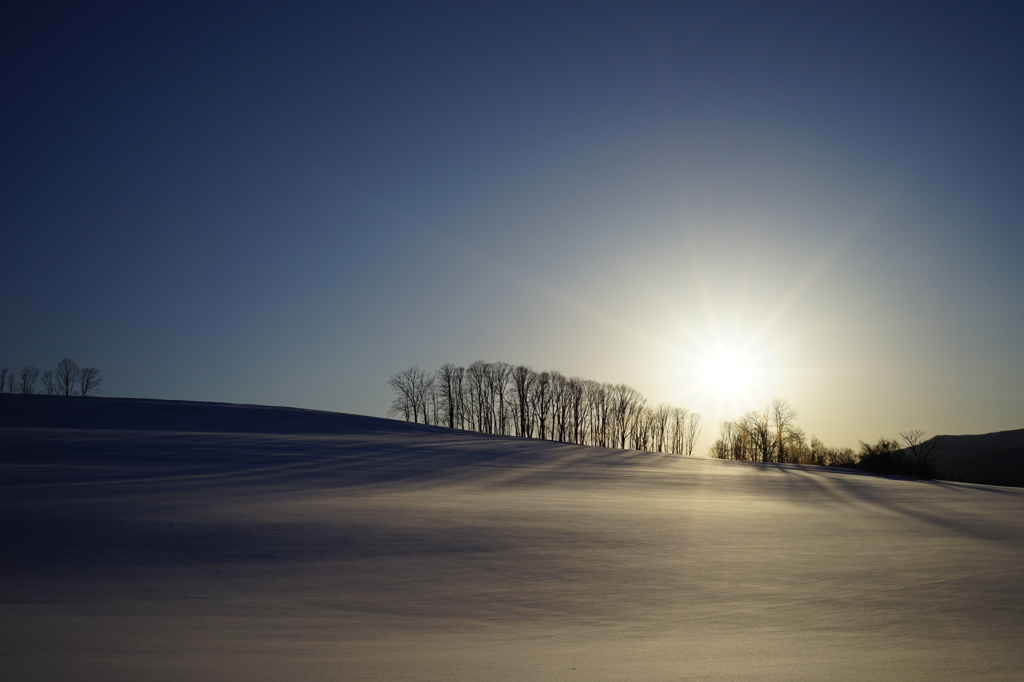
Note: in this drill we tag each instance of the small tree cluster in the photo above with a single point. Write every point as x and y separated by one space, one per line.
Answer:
883 457
516 400
912 455
771 435
67 378
820 454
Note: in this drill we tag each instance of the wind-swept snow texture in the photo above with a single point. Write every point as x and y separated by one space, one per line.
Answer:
149 540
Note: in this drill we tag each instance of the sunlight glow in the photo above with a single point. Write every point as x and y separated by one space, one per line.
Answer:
726 373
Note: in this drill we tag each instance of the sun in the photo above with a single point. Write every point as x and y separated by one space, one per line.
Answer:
726 373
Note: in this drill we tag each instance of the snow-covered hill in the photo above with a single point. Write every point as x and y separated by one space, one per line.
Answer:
153 540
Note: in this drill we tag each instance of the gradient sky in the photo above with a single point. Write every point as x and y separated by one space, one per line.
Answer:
285 203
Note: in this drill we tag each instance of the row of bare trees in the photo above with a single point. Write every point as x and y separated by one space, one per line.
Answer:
515 400
67 378
771 435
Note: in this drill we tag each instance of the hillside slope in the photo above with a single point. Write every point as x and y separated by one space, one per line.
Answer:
992 458
258 548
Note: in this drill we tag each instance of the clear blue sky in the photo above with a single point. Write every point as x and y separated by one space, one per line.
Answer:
284 203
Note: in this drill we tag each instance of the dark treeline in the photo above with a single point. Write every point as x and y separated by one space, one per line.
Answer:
771 435
516 400
67 378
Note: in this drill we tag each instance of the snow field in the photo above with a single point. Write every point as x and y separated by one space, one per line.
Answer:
381 550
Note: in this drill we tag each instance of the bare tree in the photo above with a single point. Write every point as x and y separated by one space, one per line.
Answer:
660 422
922 452
89 381
447 381
540 403
759 423
27 378
724 447
522 385
498 375
574 396
67 376
677 429
49 385
7 378
621 411
459 390
402 405
598 396
561 407
743 440
818 452
783 418
626 404
691 432
479 402
640 429
426 397
797 449
412 400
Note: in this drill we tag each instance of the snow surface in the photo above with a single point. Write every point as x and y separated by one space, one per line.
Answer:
169 541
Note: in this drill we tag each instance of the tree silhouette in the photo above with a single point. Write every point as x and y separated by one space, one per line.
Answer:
883 457
414 387
66 375
922 452
27 378
515 400
66 379
89 381
782 417
49 385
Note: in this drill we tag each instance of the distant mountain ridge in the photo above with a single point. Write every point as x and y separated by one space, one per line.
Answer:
989 458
